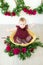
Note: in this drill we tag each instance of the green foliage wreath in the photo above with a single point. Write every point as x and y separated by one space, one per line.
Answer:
20 5
22 52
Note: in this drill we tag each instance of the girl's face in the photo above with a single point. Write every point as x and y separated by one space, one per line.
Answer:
22 24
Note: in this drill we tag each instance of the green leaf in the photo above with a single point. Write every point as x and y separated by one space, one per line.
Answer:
10 53
28 54
39 10
1 1
8 40
37 38
26 7
5 6
42 9
39 44
22 56
16 11
20 2
12 45
5 51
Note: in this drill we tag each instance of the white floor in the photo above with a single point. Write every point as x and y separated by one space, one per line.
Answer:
35 59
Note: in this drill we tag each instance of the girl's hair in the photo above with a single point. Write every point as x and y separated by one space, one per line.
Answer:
22 19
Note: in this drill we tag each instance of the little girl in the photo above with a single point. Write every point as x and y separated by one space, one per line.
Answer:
22 35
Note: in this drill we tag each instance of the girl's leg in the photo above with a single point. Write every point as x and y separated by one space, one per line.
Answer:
24 41
28 39
18 40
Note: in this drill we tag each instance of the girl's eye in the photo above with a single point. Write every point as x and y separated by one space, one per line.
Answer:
22 24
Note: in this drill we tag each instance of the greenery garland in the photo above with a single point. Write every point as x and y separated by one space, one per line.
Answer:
20 5
22 52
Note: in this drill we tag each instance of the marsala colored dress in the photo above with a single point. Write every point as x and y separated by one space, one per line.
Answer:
22 33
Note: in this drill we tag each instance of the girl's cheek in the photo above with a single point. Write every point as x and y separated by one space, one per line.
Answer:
20 25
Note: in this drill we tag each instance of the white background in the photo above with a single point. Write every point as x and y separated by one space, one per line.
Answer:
38 18
37 57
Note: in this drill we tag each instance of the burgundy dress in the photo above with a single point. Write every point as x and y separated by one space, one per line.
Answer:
21 33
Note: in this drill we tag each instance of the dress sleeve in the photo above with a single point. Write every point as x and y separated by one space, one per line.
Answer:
17 26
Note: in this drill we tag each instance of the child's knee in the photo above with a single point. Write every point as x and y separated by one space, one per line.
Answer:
18 40
28 38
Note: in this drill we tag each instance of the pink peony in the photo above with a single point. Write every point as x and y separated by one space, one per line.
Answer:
24 50
13 14
7 13
30 11
8 48
16 51
25 10
34 12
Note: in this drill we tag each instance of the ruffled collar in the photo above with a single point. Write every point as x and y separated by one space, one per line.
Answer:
23 28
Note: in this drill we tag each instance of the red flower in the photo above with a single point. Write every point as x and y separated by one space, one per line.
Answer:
30 11
13 14
16 51
34 12
32 49
7 13
25 9
24 50
8 48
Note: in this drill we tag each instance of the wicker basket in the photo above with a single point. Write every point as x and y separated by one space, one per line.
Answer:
30 32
